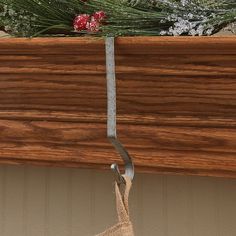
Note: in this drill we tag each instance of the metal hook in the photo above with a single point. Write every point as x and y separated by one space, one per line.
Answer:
111 114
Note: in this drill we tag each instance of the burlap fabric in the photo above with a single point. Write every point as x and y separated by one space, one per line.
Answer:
124 226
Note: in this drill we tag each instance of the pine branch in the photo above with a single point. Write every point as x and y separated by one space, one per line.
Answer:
124 17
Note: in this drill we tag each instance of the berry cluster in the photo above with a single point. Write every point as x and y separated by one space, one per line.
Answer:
90 23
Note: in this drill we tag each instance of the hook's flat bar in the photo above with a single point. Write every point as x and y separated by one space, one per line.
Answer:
111 88
111 112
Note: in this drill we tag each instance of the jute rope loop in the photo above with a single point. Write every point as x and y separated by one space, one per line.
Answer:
124 226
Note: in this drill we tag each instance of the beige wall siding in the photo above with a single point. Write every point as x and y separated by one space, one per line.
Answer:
69 202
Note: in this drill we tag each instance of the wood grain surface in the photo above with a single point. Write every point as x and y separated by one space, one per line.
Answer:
176 101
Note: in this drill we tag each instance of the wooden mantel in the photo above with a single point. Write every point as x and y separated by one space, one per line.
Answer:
176 103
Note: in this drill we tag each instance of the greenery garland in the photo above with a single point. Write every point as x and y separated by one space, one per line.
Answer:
30 18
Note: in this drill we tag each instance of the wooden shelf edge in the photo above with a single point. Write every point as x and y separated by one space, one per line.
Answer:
174 94
138 169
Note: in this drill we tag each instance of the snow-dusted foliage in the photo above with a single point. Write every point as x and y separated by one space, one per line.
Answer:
190 17
193 17
17 22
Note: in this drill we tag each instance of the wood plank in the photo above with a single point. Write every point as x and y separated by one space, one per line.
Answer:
176 103
175 111
176 45
52 46
134 45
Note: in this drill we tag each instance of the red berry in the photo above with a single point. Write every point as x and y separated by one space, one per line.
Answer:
99 16
93 26
81 22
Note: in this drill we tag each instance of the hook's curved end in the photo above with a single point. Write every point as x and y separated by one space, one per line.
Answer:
119 178
129 166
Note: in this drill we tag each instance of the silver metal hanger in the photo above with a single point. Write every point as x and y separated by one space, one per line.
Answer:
111 115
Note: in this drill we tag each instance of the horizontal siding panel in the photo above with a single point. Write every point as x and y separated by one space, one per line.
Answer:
71 202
